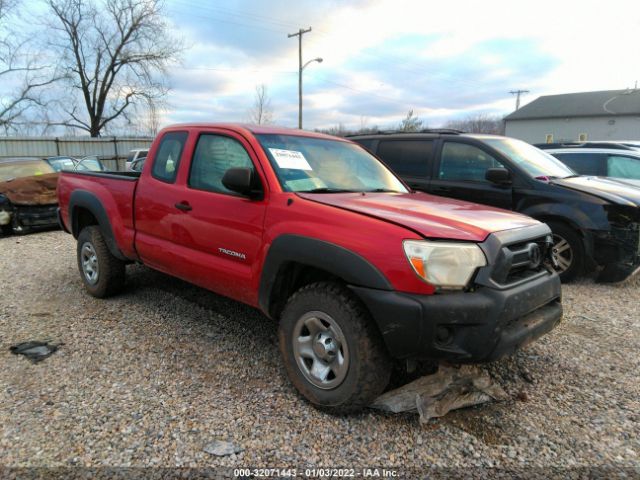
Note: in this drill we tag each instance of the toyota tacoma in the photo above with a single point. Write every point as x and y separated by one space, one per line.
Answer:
359 270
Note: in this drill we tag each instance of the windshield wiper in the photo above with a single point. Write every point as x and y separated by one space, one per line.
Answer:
326 190
382 190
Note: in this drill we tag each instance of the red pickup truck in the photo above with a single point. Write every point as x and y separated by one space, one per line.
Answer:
321 236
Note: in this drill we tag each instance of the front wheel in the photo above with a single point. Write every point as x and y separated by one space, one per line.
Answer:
567 251
102 273
332 350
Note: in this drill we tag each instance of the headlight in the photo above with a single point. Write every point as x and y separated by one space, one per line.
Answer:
444 264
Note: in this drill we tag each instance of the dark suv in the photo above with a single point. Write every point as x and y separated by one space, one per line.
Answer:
595 222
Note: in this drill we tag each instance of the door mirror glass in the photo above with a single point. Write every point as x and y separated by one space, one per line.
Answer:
239 180
499 176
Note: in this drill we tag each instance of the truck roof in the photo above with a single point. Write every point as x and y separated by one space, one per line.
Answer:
255 129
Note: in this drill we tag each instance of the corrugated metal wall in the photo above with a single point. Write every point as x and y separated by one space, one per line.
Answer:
112 151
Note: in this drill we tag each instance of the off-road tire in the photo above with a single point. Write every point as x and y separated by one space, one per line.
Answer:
111 272
6 230
369 362
576 244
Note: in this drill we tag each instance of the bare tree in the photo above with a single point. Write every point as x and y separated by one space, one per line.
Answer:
22 75
410 123
478 123
114 54
261 112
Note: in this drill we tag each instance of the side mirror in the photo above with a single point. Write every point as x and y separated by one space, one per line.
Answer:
240 180
499 176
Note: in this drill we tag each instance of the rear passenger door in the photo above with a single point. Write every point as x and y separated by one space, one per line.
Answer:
411 159
461 173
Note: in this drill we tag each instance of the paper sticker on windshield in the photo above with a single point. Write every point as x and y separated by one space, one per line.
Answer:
290 159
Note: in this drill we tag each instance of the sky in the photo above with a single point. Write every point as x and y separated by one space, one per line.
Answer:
445 60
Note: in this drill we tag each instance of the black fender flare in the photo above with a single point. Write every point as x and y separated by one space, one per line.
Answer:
89 201
352 268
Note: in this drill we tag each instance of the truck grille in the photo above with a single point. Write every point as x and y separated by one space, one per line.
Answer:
519 261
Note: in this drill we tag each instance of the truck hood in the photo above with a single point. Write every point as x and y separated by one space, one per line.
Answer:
36 190
620 192
429 215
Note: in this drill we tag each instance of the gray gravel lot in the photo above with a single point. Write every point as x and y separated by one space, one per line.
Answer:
155 375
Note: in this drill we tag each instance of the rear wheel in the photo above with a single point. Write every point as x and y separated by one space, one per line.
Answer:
102 273
332 350
567 251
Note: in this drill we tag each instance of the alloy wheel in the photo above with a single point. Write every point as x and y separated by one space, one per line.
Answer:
89 260
320 350
562 254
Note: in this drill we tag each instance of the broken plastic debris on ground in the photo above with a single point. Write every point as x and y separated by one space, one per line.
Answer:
222 448
34 350
435 395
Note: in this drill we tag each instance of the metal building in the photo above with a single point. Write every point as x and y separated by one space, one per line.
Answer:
604 115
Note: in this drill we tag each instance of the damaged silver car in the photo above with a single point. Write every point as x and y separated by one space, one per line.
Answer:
28 198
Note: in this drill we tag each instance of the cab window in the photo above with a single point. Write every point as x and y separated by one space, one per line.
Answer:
165 166
463 162
214 155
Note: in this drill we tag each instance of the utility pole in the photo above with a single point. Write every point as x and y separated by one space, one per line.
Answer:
299 34
517 93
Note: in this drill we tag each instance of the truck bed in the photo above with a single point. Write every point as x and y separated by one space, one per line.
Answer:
115 191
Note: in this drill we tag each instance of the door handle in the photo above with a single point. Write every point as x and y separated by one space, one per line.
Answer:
184 206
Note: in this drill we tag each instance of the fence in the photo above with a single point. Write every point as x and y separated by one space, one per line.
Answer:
112 151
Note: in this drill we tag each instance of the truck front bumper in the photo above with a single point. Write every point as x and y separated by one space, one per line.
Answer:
465 327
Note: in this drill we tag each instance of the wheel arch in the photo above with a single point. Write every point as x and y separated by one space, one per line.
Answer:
587 239
85 209
294 261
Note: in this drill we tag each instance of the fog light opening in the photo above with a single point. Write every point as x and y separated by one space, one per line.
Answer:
444 334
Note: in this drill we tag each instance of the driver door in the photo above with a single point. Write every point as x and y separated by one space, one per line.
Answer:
222 229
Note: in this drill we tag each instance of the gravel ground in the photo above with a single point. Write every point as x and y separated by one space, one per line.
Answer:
155 375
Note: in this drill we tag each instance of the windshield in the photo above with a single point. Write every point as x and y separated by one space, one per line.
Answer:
91 164
533 160
305 164
9 171
61 163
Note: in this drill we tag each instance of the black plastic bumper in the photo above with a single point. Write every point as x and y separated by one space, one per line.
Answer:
36 216
618 250
465 327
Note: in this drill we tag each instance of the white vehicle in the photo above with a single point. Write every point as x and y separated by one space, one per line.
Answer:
134 155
